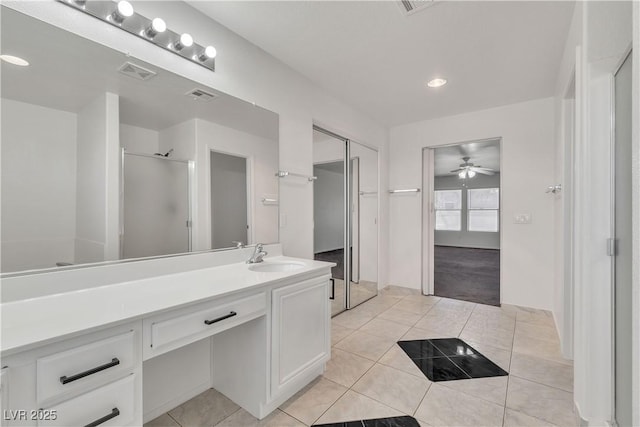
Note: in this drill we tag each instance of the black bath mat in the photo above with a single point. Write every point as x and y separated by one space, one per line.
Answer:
405 421
447 359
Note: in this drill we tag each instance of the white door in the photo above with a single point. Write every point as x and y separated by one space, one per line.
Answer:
229 213
623 234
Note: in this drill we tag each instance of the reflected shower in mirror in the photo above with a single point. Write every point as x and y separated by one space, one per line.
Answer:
107 157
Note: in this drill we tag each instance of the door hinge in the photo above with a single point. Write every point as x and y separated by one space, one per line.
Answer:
612 246
189 223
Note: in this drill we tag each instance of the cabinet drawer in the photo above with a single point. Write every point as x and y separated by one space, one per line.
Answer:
87 366
113 404
204 320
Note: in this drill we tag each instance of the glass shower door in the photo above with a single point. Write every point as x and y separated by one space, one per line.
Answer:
155 206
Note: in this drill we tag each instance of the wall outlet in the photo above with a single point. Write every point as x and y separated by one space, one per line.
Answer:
523 218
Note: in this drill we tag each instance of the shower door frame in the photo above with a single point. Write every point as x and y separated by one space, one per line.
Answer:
348 223
190 196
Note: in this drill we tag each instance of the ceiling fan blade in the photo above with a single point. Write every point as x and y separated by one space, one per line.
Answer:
457 170
485 171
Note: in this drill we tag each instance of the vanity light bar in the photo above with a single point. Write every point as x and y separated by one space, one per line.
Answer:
122 15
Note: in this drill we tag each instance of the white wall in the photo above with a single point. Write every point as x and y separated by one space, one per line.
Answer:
98 177
38 186
276 87
527 132
139 140
465 238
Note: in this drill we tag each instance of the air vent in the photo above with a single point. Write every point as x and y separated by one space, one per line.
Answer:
409 7
136 71
201 95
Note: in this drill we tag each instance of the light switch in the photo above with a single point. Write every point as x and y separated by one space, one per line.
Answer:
522 218
283 220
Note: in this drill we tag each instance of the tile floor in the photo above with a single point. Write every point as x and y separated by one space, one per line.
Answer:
369 376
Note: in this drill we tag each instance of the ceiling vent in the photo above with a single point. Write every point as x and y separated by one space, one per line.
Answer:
136 71
409 7
201 95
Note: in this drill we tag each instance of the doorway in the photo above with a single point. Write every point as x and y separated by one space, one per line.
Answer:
229 201
462 221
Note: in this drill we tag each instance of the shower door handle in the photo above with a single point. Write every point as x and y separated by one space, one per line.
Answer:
333 288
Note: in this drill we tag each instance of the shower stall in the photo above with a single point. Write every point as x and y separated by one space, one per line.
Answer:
155 205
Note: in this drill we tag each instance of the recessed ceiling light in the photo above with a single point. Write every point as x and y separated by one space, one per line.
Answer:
437 82
15 60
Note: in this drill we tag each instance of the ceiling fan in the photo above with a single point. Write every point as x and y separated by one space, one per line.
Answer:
469 170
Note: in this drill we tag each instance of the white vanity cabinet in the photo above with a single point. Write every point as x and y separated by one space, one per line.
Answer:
300 334
95 377
256 337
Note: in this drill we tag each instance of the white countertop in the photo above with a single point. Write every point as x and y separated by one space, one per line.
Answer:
33 321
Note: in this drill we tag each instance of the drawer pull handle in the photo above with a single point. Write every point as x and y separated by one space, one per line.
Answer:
226 316
65 379
114 413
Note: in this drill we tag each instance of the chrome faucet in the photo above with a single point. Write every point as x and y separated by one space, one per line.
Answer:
258 254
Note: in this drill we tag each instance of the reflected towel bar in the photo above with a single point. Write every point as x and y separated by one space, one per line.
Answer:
408 190
282 174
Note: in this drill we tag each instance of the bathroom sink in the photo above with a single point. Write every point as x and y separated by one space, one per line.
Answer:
276 267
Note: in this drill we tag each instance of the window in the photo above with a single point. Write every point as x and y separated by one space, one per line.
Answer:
448 210
483 209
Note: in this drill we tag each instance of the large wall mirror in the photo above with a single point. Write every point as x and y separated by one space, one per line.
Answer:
106 157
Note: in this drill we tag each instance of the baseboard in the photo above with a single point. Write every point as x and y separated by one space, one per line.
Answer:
468 247
175 402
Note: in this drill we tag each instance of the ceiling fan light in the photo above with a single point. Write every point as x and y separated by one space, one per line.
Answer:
471 173
462 174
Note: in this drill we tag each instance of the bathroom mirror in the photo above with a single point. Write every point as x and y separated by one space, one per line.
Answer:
106 157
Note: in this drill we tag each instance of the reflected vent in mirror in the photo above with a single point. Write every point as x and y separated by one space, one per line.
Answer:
410 7
136 71
201 95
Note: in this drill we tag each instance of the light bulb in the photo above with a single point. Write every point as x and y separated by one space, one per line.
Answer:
471 174
462 174
15 60
208 53
437 82
123 11
185 41
157 26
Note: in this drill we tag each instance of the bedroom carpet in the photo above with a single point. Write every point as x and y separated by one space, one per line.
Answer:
467 274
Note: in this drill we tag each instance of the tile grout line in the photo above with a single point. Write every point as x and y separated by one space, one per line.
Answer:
176 421
347 388
231 414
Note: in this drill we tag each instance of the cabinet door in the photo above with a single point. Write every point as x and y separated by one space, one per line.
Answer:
301 322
